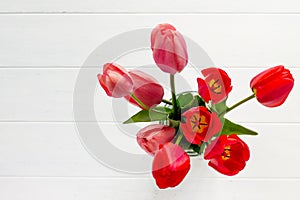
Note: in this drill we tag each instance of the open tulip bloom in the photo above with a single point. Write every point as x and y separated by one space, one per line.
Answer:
191 123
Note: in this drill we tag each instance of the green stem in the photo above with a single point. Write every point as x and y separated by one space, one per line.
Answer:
174 123
175 107
144 106
179 138
239 103
139 102
167 102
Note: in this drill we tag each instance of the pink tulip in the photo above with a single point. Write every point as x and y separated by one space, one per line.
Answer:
153 136
115 80
146 89
169 48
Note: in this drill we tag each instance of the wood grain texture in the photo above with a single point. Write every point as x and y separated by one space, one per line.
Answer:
47 94
155 6
109 189
45 43
67 40
55 150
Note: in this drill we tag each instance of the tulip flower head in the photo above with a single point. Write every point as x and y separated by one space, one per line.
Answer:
272 86
146 89
227 154
169 48
170 165
115 80
216 85
200 125
151 137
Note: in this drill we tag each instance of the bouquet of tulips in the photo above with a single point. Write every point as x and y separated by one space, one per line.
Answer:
191 123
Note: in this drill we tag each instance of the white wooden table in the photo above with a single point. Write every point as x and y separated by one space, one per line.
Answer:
43 44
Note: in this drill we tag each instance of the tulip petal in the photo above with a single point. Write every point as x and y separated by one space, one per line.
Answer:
215 148
153 136
115 80
272 86
227 154
200 125
170 166
218 83
146 89
203 90
169 49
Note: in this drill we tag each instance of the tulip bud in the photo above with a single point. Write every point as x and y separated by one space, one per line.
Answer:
146 89
272 86
216 85
115 80
169 48
170 165
198 125
153 136
227 155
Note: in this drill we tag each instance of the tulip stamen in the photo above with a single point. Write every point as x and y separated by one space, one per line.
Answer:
198 123
215 86
226 153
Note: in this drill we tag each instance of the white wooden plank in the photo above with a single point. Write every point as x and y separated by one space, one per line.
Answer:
30 149
67 40
55 150
48 95
110 189
154 6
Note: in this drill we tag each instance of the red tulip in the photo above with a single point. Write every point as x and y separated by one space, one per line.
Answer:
272 86
199 125
227 155
146 89
115 80
170 165
216 85
169 48
153 136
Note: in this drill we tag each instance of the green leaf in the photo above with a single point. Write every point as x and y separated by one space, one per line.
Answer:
185 100
162 109
155 114
232 128
188 100
198 101
220 107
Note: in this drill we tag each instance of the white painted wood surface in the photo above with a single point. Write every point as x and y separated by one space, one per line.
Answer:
66 40
54 150
83 188
43 45
46 95
154 6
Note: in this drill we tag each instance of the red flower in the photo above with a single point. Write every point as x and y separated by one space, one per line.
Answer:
227 155
272 86
169 48
199 124
115 80
153 136
146 89
216 85
170 165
